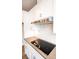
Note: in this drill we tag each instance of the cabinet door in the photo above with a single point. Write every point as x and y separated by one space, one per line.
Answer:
28 51
36 55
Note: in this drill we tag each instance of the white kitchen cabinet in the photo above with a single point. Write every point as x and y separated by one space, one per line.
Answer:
35 54
28 53
27 50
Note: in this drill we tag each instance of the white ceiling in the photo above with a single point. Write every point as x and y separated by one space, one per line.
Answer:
27 5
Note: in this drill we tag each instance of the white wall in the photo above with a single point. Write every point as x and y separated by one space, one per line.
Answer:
27 24
43 7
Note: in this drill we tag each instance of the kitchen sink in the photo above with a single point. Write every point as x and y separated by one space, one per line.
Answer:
44 46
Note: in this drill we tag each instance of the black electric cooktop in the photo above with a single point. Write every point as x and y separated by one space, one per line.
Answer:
44 46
